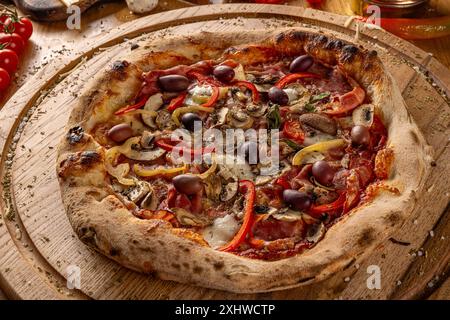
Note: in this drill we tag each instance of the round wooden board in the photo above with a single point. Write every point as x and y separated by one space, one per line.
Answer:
37 243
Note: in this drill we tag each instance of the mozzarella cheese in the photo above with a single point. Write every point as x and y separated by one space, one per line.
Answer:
221 231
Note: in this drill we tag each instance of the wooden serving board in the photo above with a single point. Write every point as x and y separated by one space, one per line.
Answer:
37 243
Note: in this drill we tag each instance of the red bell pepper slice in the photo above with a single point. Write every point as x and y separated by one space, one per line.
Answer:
214 97
249 188
133 107
283 82
283 183
250 86
348 102
165 144
177 102
201 78
318 211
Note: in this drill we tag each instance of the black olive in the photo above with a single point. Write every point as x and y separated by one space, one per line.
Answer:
296 199
278 96
360 135
187 184
188 120
120 132
173 83
301 64
323 172
224 73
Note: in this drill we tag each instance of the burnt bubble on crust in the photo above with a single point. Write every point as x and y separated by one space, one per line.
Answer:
349 52
87 158
120 65
75 135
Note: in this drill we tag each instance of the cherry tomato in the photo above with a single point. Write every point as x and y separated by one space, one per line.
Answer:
3 19
12 41
293 130
5 79
9 60
23 27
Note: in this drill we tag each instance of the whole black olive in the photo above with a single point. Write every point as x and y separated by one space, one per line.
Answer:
173 83
278 96
301 64
296 199
120 132
224 73
188 120
360 135
187 184
323 172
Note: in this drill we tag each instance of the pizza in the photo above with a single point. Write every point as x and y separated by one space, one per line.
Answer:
242 162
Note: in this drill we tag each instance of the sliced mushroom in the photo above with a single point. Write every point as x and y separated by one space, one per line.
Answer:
164 120
239 119
138 192
222 115
213 187
150 201
147 140
229 191
153 103
320 122
288 216
256 110
261 180
186 218
363 115
315 232
132 150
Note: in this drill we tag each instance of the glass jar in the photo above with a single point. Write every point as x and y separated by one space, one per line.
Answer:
392 8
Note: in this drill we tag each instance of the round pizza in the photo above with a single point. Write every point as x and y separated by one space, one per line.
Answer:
244 162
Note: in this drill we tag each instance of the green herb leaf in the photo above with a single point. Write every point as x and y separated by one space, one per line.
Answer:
310 107
319 97
292 144
274 117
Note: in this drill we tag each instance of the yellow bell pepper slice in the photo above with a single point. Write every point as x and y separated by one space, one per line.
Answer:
119 172
178 112
210 170
317 147
143 172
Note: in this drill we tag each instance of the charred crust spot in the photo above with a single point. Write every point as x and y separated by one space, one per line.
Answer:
197 270
120 66
185 265
322 39
88 235
176 266
89 157
334 44
75 135
372 54
279 38
218 265
303 280
114 252
231 50
161 243
298 35
349 52
367 237
393 218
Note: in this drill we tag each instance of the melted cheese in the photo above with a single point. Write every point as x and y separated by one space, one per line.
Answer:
221 231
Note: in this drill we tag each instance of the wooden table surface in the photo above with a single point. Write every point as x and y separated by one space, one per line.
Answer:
49 40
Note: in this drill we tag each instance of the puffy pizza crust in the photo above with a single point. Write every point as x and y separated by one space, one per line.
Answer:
103 222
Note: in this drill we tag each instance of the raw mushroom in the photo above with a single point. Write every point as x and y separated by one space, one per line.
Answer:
222 116
239 119
153 103
320 122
